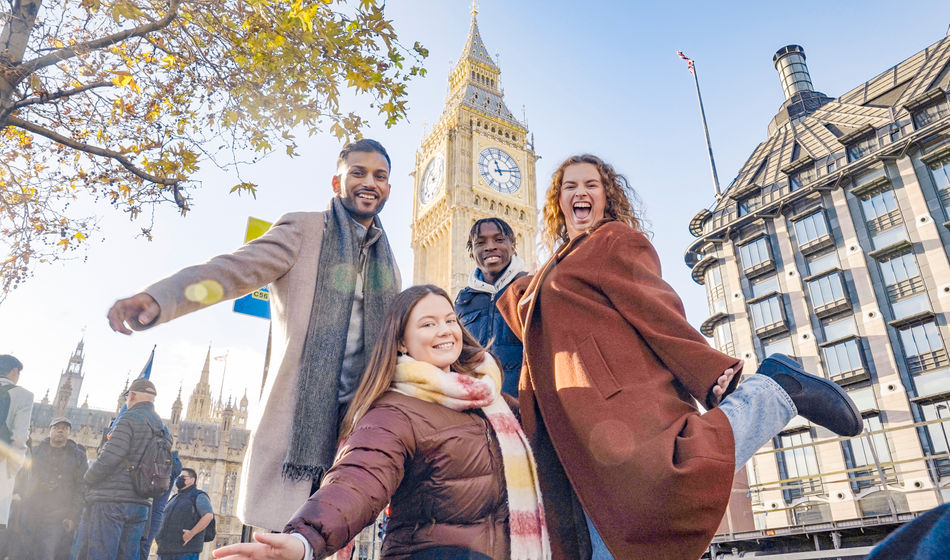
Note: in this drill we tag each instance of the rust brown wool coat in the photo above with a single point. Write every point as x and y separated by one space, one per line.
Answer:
610 371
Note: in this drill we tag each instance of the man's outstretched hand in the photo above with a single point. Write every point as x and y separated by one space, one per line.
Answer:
133 313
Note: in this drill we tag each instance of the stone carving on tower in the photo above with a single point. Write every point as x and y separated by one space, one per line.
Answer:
70 381
176 408
199 404
476 162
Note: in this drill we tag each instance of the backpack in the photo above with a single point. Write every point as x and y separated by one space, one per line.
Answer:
6 434
152 476
211 531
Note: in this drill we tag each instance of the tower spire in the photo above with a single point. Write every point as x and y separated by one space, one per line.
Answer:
206 370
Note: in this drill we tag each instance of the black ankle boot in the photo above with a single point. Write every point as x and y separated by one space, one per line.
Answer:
817 399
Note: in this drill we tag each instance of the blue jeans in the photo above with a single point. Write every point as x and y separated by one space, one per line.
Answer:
189 556
757 411
597 545
110 531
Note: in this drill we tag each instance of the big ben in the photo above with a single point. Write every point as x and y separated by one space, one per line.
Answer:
476 162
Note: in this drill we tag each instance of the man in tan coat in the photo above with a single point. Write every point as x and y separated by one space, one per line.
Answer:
331 276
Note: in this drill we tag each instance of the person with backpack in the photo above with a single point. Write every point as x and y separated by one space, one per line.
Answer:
188 522
16 406
134 466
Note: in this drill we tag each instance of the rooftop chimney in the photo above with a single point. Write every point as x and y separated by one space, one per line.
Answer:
792 70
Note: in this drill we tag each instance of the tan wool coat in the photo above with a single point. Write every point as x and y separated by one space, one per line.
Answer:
606 391
286 257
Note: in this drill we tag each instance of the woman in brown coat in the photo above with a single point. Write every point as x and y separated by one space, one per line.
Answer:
429 434
611 373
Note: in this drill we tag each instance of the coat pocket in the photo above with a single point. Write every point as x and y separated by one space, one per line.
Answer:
592 362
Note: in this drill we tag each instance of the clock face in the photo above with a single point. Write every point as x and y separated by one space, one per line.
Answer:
499 170
432 178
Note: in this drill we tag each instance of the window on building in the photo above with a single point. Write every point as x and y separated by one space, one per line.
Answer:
811 228
749 204
752 473
843 360
764 285
901 276
836 328
936 433
798 465
756 256
904 285
802 178
931 113
768 317
823 262
940 171
883 217
864 454
779 344
715 292
810 513
827 294
723 337
861 147
923 347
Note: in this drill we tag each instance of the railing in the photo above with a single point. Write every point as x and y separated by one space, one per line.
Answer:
927 361
885 222
905 288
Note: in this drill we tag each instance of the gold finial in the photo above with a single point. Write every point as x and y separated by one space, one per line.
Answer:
474 8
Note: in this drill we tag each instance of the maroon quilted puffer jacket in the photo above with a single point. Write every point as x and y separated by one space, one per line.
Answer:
440 469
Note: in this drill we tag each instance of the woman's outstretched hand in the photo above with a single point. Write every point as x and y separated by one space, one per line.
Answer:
722 384
269 546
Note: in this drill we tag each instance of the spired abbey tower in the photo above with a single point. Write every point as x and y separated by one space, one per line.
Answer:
477 162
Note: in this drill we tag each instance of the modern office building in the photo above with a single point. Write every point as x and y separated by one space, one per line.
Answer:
831 244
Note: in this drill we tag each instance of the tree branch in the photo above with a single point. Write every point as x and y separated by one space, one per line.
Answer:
82 147
44 98
30 66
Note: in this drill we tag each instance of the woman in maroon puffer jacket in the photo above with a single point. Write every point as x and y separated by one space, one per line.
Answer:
428 433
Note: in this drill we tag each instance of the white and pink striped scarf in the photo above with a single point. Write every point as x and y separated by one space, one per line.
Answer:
424 381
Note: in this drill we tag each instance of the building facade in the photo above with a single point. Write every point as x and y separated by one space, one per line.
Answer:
477 162
211 439
832 245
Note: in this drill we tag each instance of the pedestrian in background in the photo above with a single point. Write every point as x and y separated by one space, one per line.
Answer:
52 499
16 406
188 515
116 513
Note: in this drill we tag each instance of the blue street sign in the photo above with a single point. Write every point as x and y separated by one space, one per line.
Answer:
256 303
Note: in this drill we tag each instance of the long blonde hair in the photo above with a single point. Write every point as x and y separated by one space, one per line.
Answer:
379 373
622 201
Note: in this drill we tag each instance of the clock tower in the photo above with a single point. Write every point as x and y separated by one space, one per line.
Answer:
477 162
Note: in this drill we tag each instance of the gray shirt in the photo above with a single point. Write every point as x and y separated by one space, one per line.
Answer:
350 372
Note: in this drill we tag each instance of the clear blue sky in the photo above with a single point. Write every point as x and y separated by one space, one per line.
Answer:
599 77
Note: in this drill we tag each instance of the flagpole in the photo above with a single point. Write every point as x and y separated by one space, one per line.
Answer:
702 112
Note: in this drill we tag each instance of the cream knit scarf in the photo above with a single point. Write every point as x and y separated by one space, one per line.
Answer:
424 381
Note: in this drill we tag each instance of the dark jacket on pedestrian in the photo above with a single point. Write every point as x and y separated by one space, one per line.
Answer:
431 464
108 477
181 513
475 306
54 483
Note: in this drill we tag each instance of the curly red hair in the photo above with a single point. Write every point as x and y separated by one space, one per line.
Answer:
621 199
